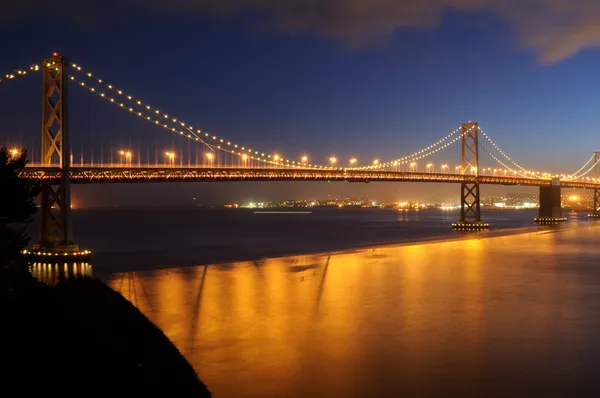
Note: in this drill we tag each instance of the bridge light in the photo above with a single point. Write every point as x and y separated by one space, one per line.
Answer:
304 159
276 158
353 161
210 156
375 162
333 160
244 156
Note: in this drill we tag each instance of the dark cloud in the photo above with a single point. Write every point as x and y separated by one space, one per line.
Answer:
556 29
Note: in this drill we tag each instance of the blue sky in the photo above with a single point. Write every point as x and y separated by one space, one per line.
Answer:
306 92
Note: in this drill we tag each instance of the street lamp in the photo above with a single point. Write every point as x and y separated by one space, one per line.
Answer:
333 160
375 162
353 161
444 167
126 155
429 166
304 159
171 156
412 166
14 152
210 156
276 158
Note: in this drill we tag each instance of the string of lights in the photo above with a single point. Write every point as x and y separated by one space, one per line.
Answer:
18 73
416 155
502 163
496 147
406 160
574 177
211 140
155 121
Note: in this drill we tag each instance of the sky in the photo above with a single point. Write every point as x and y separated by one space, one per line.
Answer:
372 80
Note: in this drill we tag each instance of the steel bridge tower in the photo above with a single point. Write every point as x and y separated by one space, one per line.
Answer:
470 198
56 234
596 213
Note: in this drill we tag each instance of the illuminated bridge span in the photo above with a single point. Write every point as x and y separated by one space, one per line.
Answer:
83 175
216 158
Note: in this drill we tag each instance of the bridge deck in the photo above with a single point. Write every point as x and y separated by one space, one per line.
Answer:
87 175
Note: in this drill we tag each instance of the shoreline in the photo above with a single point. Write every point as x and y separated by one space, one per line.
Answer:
246 256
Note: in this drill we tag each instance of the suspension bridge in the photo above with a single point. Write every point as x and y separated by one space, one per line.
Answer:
221 160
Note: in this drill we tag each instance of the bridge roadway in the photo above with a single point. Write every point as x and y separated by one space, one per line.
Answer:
95 174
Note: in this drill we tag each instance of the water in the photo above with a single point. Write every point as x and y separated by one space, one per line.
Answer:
142 239
492 315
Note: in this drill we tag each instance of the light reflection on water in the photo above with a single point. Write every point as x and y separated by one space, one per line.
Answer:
50 273
505 316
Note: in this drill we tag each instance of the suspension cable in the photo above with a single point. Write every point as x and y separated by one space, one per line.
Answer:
413 156
18 73
496 147
574 175
174 130
502 163
272 159
406 160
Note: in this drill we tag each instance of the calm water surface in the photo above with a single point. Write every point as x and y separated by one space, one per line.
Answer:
510 316
143 239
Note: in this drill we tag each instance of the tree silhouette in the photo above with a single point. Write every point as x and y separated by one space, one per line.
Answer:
16 205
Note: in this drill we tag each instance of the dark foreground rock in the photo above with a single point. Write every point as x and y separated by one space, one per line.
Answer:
82 338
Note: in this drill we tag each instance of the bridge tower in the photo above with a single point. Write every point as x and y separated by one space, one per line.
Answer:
595 215
470 204
55 211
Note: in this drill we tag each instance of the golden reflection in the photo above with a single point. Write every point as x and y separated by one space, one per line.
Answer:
306 325
51 273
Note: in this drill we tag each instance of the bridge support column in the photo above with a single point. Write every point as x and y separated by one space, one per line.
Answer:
595 215
470 199
550 205
55 233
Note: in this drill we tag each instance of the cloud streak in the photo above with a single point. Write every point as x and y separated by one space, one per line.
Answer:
556 29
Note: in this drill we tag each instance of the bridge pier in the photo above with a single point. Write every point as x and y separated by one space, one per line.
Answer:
550 212
470 199
56 236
